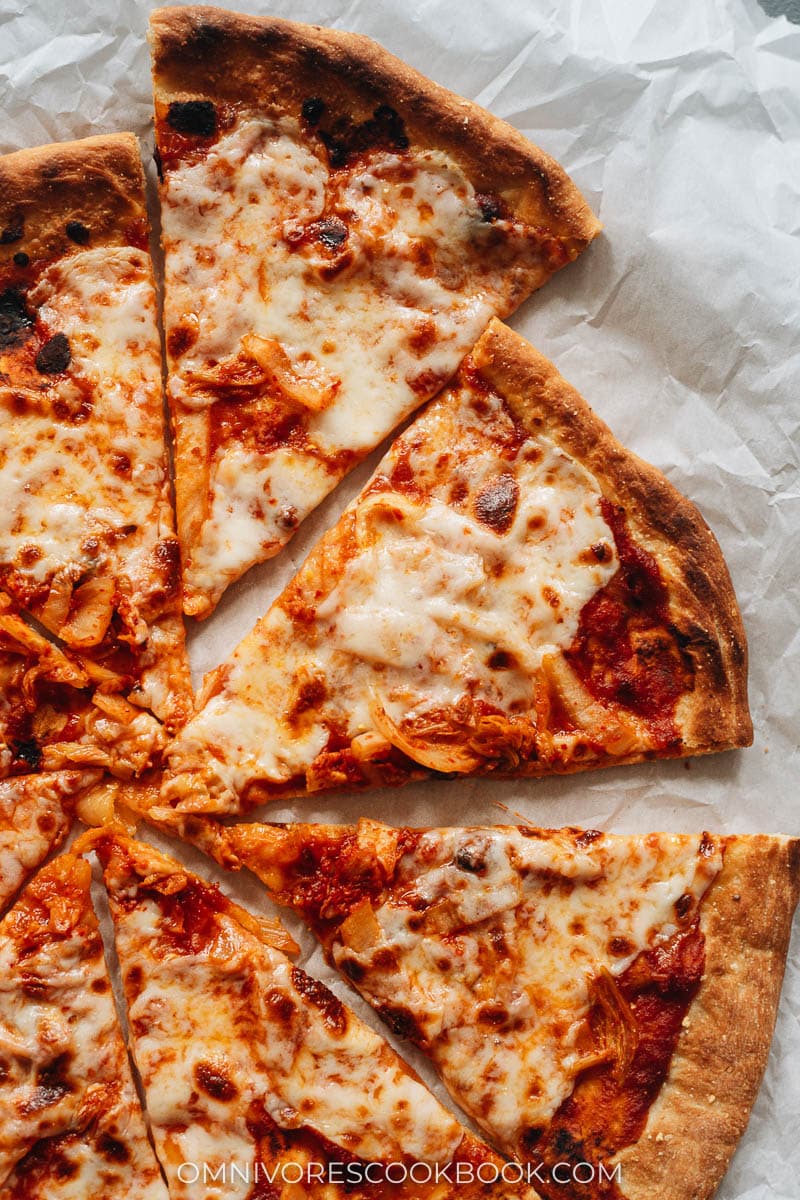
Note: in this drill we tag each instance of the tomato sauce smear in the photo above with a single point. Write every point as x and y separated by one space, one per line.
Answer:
626 651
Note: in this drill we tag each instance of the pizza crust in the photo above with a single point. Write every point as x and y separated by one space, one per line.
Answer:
274 65
715 715
97 181
704 1106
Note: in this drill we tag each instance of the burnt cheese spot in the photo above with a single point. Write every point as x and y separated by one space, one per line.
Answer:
21 259
400 1020
333 1011
345 138
13 230
78 232
491 206
313 110
331 232
497 502
54 356
214 1082
470 859
501 660
198 118
52 1084
15 320
28 752
683 906
113 1149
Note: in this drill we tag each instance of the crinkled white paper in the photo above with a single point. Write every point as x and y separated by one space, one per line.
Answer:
681 123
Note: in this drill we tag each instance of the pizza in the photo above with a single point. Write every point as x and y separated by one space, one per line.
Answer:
245 1059
512 594
36 814
87 547
93 673
70 1121
337 232
601 1006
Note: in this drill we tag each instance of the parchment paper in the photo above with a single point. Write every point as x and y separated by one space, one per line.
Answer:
681 123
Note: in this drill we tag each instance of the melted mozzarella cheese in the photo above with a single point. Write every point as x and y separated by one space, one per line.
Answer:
56 1007
34 819
238 1013
555 908
385 330
63 496
417 617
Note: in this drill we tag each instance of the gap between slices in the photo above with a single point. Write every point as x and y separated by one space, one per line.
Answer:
70 1122
513 593
246 1059
337 231
586 998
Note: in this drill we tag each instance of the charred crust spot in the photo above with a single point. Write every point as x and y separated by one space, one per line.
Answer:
15 320
344 139
401 1021
78 232
13 231
54 356
496 504
313 110
29 752
21 259
113 1149
531 1137
159 165
214 1082
333 1011
197 118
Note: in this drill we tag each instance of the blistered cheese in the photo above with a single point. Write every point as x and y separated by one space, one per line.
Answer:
232 1029
420 275
34 819
65 1065
555 908
90 493
422 610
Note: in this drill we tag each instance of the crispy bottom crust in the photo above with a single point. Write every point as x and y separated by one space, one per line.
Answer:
705 1104
97 181
275 65
703 607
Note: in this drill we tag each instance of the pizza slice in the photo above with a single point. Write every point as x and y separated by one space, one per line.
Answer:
513 593
337 232
587 999
70 1121
247 1060
93 671
35 817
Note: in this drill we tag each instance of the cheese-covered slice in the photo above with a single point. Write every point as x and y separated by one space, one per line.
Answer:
35 817
70 1121
309 309
92 659
493 947
423 624
245 1059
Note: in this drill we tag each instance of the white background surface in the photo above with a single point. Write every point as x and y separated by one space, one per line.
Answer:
681 123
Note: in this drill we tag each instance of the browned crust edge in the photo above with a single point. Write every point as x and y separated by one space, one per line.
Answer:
277 64
97 181
704 1106
715 716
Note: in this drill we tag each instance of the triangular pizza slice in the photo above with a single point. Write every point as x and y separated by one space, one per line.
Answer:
249 1063
513 593
70 1121
93 671
596 1003
337 232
